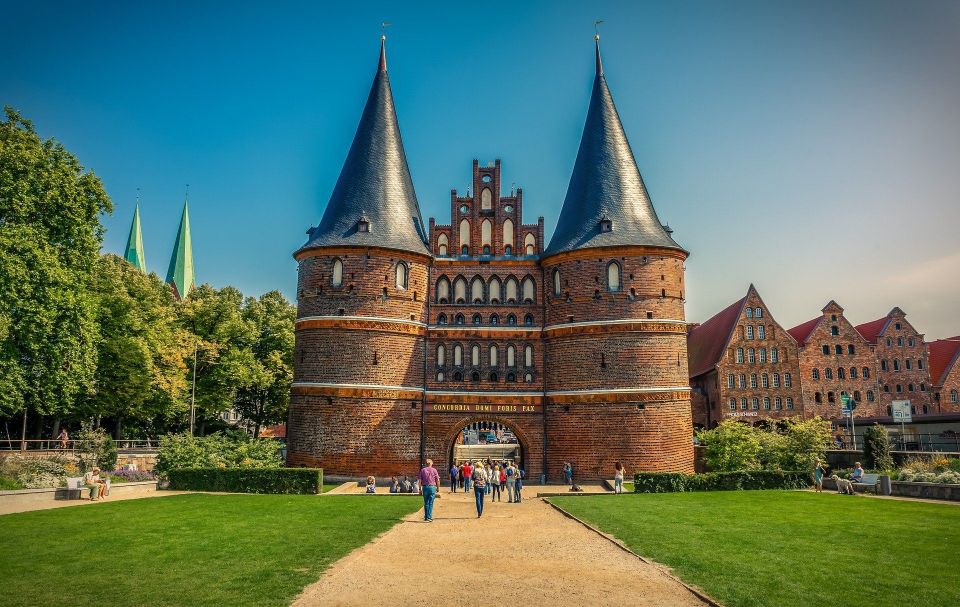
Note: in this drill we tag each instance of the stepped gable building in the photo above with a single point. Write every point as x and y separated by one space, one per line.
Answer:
743 365
945 374
836 359
406 336
904 371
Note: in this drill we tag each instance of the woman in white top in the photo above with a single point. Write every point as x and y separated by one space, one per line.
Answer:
495 483
619 471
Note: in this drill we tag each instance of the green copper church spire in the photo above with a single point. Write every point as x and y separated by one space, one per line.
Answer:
180 274
134 251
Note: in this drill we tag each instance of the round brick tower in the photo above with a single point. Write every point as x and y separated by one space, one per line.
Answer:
357 393
616 367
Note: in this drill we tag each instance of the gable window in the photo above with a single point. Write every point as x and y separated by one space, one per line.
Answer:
464 237
753 380
762 352
739 355
828 373
776 380
443 243
336 278
749 331
613 276
816 374
866 372
751 355
826 350
507 236
742 380
486 199
748 312
758 313
730 380
953 396
530 244
834 330
787 382
910 342
765 380
851 350
900 341
761 333
733 404
766 403
774 355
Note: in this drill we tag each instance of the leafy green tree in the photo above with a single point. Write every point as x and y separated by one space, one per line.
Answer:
876 448
731 446
804 442
141 357
50 235
264 373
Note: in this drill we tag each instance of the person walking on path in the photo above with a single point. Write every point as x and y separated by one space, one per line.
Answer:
429 481
618 472
495 483
818 473
467 472
511 481
517 486
479 486
488 471
568 472
454 475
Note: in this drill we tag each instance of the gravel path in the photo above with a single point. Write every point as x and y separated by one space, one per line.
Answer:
517 555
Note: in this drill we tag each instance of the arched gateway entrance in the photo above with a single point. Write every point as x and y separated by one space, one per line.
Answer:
486 440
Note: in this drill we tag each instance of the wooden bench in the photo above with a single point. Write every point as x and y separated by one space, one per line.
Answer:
869 481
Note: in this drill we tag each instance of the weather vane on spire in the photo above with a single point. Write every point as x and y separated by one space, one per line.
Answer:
383 29
186 192
596 28
138 196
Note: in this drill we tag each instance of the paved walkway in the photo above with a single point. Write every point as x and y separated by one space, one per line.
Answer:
8 506
517 554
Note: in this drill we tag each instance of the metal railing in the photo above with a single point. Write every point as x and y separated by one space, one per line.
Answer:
945 441
42 444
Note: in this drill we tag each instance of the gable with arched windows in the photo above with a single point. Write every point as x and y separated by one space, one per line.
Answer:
443 244
530 244
486 199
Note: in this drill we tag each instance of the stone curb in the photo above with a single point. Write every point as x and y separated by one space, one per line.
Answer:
619 544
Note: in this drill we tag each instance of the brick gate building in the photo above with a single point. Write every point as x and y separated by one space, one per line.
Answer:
406 335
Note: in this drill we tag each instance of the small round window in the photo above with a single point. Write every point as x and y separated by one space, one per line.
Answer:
464 208
487 179
508 208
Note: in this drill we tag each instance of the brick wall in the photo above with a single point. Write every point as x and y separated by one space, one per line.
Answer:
896 349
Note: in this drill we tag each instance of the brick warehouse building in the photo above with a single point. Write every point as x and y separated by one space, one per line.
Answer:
903 371
743 365
406 336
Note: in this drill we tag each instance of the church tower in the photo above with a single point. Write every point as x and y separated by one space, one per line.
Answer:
616 368
359 361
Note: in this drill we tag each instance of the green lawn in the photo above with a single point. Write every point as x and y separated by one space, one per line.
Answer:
789 548
185 550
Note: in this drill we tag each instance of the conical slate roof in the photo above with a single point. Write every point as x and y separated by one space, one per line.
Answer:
134 250
180 274
606 186
374 184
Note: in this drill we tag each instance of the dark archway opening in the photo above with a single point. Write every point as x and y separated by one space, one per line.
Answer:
488 441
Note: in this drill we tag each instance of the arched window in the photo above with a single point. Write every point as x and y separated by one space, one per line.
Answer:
530 244
739 355
828 373
816 374
443 290
494 377
831 398
528 320
486 199
508 236
776 380
856 395
512 320
494 319
475 355
442 319
834 330
755 403
493 355
789 404
613 276
477 319
486 236
336 278
494 294
896 364
766 403
762 354
511 377
511 289
443 243
732 405
528 356
866 372
761 331
853 373
870 396
458 376
528 290
458 355
475 377
511 356
441 355
465 250
751 355
953 396
528 378
818 398
765 380
778 403
440 376
748 312
465 234
758 313
476 290
460 290
459 320
556 282
841 374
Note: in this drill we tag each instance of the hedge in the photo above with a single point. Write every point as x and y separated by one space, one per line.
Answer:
669 482
247 480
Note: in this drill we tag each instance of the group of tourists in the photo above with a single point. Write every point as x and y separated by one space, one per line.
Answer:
488 478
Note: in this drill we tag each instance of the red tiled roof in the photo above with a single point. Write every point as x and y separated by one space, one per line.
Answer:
943 355
871 330
705 344
802 332
277 431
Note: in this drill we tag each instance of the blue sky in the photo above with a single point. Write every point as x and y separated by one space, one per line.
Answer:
810 148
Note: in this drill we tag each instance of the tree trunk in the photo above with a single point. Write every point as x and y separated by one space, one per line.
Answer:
56 427
256 429
116 430
23 431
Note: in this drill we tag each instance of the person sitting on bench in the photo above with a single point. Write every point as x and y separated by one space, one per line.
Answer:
857 475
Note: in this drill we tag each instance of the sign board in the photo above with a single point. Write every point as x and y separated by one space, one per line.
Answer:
480 408
901 411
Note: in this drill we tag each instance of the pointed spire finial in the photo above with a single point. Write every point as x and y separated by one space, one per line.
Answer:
134 251
383 43
596 39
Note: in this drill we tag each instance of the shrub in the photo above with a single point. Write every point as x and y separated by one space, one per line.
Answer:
792 444
876 448
216 451
94 448
35 472
107 458
239 480
8 483
130 476
667 482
